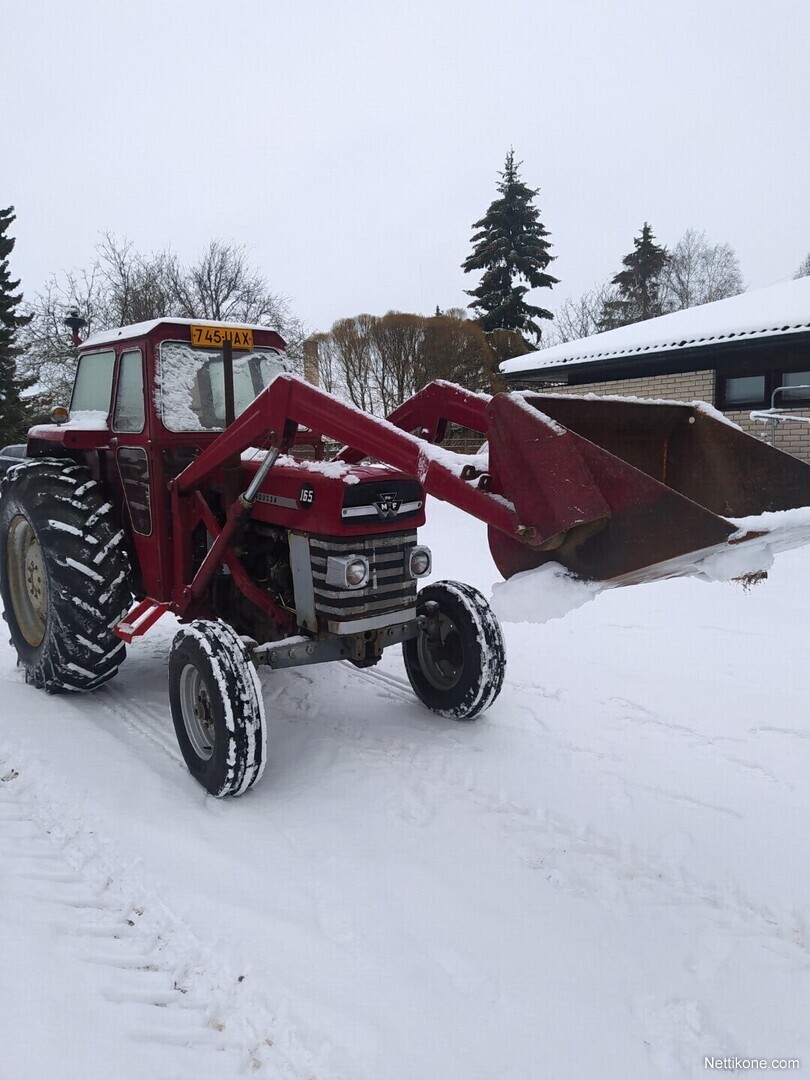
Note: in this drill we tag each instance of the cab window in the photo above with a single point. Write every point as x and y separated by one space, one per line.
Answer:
129 412
191 383
93 385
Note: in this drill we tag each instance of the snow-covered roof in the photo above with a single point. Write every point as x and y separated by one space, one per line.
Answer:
103 337
776 310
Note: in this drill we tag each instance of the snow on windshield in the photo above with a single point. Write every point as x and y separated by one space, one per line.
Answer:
190 385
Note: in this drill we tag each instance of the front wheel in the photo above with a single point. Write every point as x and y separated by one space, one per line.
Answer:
456 664
217 708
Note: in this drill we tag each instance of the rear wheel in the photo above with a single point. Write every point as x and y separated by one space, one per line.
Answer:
64 575
456 664
217 708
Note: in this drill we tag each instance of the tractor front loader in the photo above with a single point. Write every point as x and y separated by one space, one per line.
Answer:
190 477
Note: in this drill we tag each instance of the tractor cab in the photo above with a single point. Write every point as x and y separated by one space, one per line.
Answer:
182 364
147 399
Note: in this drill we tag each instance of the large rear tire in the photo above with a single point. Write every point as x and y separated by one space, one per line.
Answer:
456 664
64 575
217 708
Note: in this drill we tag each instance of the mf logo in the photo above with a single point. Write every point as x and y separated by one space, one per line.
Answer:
387 505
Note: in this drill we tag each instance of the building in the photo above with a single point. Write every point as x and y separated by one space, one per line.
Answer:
741 355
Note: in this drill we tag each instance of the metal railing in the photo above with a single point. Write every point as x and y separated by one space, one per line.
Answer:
776 416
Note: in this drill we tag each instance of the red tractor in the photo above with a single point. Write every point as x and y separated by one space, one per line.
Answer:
190 476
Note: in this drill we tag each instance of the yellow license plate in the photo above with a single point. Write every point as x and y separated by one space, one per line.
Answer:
213 336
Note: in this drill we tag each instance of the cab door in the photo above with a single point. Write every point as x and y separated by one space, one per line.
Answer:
131 450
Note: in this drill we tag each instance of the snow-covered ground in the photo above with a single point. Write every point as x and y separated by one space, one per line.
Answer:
604 877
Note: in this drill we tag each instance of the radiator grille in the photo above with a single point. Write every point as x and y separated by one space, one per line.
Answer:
390 589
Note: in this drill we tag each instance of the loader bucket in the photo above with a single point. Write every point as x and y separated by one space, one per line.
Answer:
624 490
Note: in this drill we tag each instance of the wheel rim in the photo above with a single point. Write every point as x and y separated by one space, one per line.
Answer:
28 580
441 655
197 711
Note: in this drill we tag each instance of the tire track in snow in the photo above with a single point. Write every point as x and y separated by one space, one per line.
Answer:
582 861
168 989
589 864
152 722
399 686
633 713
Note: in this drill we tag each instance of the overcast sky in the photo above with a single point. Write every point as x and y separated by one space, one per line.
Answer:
352 145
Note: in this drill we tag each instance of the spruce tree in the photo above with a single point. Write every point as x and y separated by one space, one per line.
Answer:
511 248
14 413
639 284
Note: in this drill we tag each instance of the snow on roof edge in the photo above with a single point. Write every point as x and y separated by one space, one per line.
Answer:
102 337
770 312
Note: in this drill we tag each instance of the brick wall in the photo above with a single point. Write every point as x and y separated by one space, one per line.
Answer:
683 386
794 438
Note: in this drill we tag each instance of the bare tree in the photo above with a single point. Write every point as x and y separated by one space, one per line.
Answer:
398 338
455 349
46 352
699 272
223 286
322 359
376 362
696 272
804 267
123 287
581 316
134 287
352 360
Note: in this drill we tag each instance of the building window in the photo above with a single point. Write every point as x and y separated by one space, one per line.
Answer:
756 391
744 390
799 379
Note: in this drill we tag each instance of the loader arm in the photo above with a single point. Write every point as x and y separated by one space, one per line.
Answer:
429 411
620 490
273 418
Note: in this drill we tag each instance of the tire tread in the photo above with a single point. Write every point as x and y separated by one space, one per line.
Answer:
79 651
240 753
479 689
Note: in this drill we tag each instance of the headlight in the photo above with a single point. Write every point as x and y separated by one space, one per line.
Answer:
419 562
357 572
347 572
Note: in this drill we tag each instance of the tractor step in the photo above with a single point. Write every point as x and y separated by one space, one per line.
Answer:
143 616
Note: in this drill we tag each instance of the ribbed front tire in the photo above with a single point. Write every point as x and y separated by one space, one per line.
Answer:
217 708
456 664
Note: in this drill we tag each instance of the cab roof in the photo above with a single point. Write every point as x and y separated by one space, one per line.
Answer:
137 330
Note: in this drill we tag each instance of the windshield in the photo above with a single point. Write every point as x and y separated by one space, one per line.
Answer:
190 387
